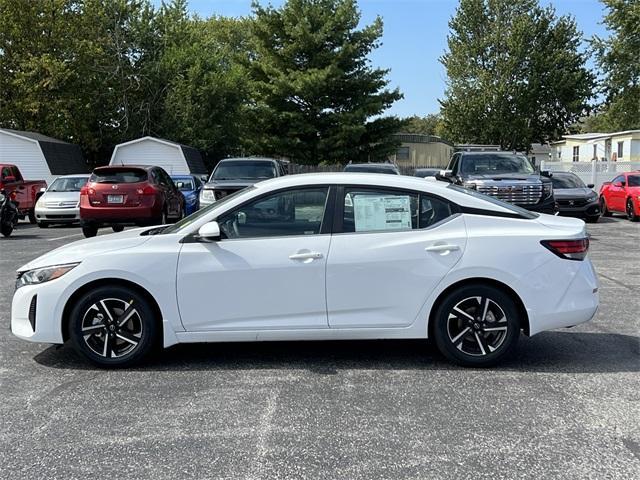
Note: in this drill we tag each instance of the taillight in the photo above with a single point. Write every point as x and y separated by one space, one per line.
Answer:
87 191
569 249
148 190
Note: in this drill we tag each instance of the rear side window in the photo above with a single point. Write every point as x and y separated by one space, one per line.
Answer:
381 210
107 175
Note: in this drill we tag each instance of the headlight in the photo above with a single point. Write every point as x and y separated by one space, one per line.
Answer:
548 189
593 196
41 275
207 195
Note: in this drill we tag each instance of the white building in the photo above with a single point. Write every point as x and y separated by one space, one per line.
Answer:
175 158
585 147
40 157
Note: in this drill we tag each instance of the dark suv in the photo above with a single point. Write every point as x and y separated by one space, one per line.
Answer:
506 176
233 174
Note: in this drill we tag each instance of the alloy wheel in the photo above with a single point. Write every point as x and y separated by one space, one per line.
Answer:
477 326
112 328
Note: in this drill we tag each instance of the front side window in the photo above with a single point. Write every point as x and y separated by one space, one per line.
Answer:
380 210
291 212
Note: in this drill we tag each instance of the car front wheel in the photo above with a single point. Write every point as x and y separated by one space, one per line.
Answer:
113 326
603 208
477 326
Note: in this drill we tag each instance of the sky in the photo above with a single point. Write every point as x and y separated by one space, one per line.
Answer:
415 37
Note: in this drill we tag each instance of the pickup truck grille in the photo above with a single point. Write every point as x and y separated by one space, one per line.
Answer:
518 194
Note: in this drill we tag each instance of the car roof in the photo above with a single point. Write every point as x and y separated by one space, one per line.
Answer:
126 167
371 164
74 175
248 159
489 152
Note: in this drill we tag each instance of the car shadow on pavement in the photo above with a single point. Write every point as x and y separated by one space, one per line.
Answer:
554 352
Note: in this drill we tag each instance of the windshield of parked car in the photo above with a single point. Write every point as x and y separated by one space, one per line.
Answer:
519 211
68 184
184 184
370 169
244 169
566 181
495 163
633 181
186 221
118 175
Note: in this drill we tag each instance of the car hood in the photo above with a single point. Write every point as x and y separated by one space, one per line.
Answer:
60 197
82 249
237 183
565 193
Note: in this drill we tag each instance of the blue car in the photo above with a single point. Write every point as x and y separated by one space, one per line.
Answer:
190 186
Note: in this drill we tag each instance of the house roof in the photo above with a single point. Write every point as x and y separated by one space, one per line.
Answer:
34 136
593 136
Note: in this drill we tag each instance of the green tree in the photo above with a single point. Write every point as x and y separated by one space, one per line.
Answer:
515 74
430 124
316 96
619 59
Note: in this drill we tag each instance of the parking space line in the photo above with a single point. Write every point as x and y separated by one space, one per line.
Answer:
66 236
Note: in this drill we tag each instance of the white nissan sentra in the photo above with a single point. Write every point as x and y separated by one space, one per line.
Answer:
317 257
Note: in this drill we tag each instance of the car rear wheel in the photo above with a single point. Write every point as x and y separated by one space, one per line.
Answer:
113 326
477 326
89 231
603 208
117 228
631 212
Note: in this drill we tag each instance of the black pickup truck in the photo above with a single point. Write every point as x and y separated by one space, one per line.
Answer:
503 175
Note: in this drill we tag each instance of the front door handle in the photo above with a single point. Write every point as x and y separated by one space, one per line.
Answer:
305 256
442 248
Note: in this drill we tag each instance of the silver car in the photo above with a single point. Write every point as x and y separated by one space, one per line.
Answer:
60 201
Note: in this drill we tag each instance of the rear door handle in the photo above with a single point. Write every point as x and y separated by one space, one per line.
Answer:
305 256
442 248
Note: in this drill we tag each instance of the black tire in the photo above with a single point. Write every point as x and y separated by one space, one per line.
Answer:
32 217
89 231
43 225
603 208
112 343
117 228
6 229
593 219
631 213
486 341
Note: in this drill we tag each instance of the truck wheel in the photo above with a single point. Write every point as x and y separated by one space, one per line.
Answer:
32 217
89 231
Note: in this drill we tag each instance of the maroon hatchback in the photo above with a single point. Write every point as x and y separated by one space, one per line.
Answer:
117 196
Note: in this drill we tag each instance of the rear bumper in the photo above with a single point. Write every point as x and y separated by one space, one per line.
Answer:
119 216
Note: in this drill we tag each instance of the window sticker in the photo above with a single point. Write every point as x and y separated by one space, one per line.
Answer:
381 212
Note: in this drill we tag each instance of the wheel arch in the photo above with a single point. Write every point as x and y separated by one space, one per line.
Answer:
112 282
480 281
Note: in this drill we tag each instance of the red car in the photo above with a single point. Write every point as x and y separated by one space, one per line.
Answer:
116 196
622 194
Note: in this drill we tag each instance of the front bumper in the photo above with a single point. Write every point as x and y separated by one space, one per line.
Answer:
591 209
33 306
57 215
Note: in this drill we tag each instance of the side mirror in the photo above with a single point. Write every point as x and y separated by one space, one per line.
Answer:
9 179
209 232
445 176
43 189
590 185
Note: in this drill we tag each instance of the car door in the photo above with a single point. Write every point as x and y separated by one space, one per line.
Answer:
266 272
171 194
393 249
617 194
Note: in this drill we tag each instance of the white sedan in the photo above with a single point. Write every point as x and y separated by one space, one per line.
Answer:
317 257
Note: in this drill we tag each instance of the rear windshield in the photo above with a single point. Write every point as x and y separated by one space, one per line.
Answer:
244 169
370 169
68 184
493 163
566 181
519 211
119 175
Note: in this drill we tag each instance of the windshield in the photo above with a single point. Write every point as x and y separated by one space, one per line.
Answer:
69 184
566 181
231 170
633 180
521 212
370 169
186 221
493 163
119 175
184 184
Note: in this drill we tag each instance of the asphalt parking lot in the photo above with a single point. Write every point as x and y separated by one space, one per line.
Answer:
567 406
